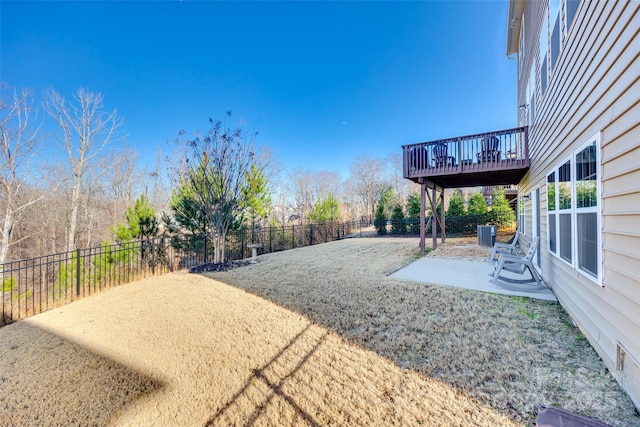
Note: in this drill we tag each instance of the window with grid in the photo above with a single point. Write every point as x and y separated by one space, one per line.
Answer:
587 209
564 211
573 210
551 211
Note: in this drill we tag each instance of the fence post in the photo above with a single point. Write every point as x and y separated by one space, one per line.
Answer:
77 272
293 235
206 258
153 256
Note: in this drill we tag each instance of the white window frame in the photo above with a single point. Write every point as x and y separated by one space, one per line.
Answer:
543 52
597 209
559 211
566 27
574 210
555 211
536 213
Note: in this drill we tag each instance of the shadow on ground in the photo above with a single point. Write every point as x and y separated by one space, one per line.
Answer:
319 379
508 353
65 384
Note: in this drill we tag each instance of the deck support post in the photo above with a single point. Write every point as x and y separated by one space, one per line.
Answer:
423 212
434 218
442 223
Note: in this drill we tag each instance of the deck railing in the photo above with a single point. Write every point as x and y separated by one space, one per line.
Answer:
488 191
484 152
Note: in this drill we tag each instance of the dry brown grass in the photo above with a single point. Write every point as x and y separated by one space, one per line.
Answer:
509 353
358 348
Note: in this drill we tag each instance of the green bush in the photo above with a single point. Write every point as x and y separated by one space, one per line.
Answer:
398 223
380 220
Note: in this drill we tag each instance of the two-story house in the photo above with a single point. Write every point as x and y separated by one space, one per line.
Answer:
576 160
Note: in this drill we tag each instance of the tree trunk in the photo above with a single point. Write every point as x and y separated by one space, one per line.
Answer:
6 235
73 219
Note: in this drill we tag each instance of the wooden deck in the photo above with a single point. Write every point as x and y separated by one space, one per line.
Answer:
466 161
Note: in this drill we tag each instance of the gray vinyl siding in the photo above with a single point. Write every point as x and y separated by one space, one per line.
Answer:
595 87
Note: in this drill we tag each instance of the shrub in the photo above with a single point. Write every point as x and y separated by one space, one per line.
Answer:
398 224
380 220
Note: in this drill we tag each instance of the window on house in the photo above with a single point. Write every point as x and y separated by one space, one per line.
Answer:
544 37
543 75
551 211
587 209
564 211
531 94
573 210
571 7
554 9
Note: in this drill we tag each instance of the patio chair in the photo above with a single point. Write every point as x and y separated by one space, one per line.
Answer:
505 248
490 150
518 265
418 158
441 156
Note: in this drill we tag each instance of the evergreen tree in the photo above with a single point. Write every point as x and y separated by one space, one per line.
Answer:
388 199
456 204
256 197
477 204
186 210
501 213
413 206
141 222
398 224
380 220
325 210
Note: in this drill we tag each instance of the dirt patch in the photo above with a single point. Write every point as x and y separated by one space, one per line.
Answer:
358 348
469 252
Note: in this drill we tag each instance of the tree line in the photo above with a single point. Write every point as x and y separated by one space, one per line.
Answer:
463 214
70 179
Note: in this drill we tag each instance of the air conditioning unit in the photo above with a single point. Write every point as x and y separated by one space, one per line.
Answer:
486 235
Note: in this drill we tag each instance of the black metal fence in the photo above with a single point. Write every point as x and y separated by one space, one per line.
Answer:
39 284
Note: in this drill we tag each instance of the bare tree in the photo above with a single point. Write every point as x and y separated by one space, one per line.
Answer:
121 182
367 182
19 139
307 187
400 185
212 177
301 188
86 130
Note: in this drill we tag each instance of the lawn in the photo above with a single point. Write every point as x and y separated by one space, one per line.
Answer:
322 337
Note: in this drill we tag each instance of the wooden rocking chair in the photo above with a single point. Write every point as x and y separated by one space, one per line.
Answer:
518 265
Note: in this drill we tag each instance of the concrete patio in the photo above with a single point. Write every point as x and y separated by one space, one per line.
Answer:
473 275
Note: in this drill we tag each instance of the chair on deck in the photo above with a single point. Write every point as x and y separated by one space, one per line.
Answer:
506 248
518 265
441 156
418 158
490 150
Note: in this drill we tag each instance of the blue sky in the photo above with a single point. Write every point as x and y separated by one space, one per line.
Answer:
323 82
